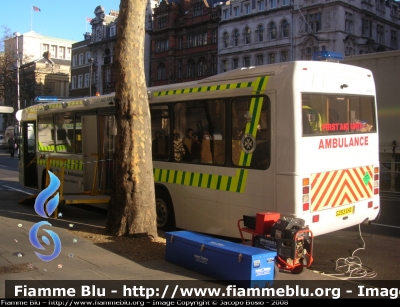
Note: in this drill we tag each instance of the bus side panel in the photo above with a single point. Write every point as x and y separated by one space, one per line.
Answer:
216 208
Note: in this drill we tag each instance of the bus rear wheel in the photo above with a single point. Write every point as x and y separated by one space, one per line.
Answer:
165 214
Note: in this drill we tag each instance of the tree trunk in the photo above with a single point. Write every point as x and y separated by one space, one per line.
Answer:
132 210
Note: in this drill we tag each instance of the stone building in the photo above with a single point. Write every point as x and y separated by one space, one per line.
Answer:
30 48
184 41
256 32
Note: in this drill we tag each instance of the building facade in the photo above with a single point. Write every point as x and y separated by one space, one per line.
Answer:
82 68
256 32
184 41
44 77
29 48
32 46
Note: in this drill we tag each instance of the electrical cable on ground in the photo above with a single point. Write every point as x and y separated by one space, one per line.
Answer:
352 267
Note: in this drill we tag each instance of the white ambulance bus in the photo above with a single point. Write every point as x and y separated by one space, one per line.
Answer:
299 138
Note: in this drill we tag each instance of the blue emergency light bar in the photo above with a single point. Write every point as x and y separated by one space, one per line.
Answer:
46 98
329 56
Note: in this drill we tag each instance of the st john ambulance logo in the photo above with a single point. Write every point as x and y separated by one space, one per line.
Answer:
248 143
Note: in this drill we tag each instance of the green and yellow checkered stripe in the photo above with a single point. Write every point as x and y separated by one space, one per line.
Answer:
258 87
235 183
69 164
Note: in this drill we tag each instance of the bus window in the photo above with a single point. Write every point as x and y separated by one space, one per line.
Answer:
45 133
251 132
206 120
160 127
64 140
338 114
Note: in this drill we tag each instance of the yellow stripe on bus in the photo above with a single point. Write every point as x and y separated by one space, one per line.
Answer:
235 184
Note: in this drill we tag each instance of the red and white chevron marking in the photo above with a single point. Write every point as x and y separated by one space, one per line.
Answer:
341 187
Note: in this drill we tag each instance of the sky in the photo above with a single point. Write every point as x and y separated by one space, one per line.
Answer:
57 18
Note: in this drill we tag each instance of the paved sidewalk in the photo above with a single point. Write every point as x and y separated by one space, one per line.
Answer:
80 259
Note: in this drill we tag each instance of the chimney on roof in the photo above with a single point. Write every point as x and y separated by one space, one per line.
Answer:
114 13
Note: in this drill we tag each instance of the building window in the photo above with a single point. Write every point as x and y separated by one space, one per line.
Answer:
235 63
273 4
213 64
198 9
285 2
161 71
247 8
366 27
108 74
180 43
348 25
74 61
162 45
180 65
224 65
53 51
45 47
260 5
190 68
246 62
87 57
314 22
393 39
272 30
86 80
202 67
284 56
80 59
214 36
225 14
271 58
226 39
394 11
68 53
73 82
379 34
236 38
61 55
80 81
285 28
162 22
247 35
236 11
204 38
260 59
260 33
112 30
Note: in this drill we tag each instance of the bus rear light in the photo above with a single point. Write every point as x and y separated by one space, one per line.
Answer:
376 191
306 190
306 198
376 184
306 207
376 170
306 181
315 218
370 204
376 176
377 207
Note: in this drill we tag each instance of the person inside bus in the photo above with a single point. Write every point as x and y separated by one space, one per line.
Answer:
314 118
206 155
179 151
187 143
196 149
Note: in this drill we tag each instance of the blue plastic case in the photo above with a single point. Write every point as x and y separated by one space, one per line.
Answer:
237 264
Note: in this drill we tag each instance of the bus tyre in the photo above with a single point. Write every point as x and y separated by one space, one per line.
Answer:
165 214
